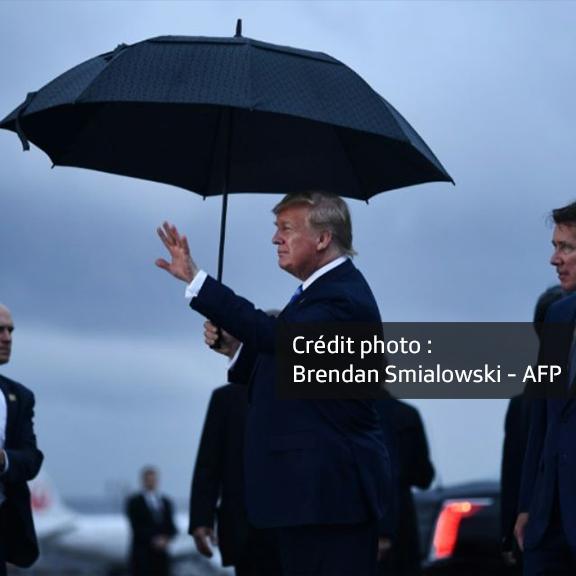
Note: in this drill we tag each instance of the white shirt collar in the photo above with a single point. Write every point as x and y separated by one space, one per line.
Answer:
321 271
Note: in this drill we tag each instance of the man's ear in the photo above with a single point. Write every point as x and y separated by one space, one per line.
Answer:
324 240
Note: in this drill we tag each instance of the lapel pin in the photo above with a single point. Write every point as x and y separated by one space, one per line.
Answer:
12 397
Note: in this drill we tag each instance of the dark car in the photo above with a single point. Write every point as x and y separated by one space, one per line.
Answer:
460 530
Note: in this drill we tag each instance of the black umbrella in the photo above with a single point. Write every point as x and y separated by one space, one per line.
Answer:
220 115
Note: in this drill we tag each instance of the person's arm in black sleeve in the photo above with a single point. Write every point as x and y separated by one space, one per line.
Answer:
171 529
208 473
241 371
207 479
511 470
418 469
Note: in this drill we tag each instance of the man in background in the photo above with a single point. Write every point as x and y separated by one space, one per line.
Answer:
152 522
546 525
516 426
20 461
217 495
411 465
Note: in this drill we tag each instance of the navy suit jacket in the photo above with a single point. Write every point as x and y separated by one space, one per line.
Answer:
550 462
306 461
24 464
516 429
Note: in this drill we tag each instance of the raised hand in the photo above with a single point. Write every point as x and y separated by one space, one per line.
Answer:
182 266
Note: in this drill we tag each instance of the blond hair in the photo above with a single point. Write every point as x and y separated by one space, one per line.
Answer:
327 212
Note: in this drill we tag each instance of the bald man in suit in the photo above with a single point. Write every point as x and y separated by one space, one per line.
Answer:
20 461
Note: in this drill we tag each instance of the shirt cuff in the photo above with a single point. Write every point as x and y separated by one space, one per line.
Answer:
195 286
235 357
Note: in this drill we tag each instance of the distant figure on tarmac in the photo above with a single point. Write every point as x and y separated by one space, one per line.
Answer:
152 521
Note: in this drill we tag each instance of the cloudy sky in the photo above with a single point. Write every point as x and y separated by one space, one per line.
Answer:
106 340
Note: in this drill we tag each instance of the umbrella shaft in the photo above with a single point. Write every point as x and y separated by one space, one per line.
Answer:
222 234
227 119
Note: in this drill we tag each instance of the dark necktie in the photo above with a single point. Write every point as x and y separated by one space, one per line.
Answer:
296 294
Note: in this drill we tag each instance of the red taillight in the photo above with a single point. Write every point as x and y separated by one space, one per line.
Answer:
448 524
40 499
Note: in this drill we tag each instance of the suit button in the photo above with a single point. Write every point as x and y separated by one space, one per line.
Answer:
563 458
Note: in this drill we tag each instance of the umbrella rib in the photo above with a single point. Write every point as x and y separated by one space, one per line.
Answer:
410 142
344 147
109 61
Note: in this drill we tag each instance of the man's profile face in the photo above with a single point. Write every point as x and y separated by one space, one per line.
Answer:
6 328
150 480
297 241
564 256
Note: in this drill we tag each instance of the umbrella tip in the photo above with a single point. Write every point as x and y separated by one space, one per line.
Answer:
238 28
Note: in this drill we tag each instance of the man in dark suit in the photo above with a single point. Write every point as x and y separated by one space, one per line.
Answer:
316 470
20 461
516 427
412 467
546 526
217 495
151 519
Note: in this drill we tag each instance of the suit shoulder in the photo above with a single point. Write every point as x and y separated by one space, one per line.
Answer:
16 387
561 309
348 292
133 499
224 390
407 415
228 393
407 409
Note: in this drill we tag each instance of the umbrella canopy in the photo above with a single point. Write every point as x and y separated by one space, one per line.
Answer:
216 115
177 109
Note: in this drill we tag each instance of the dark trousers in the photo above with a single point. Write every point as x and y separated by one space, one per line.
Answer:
149 562
260 557
553 556
329 550
2 542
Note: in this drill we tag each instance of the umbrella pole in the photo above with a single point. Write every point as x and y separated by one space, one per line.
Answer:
222 231
227 121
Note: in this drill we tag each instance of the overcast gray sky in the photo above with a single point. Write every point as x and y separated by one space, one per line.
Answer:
105 339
